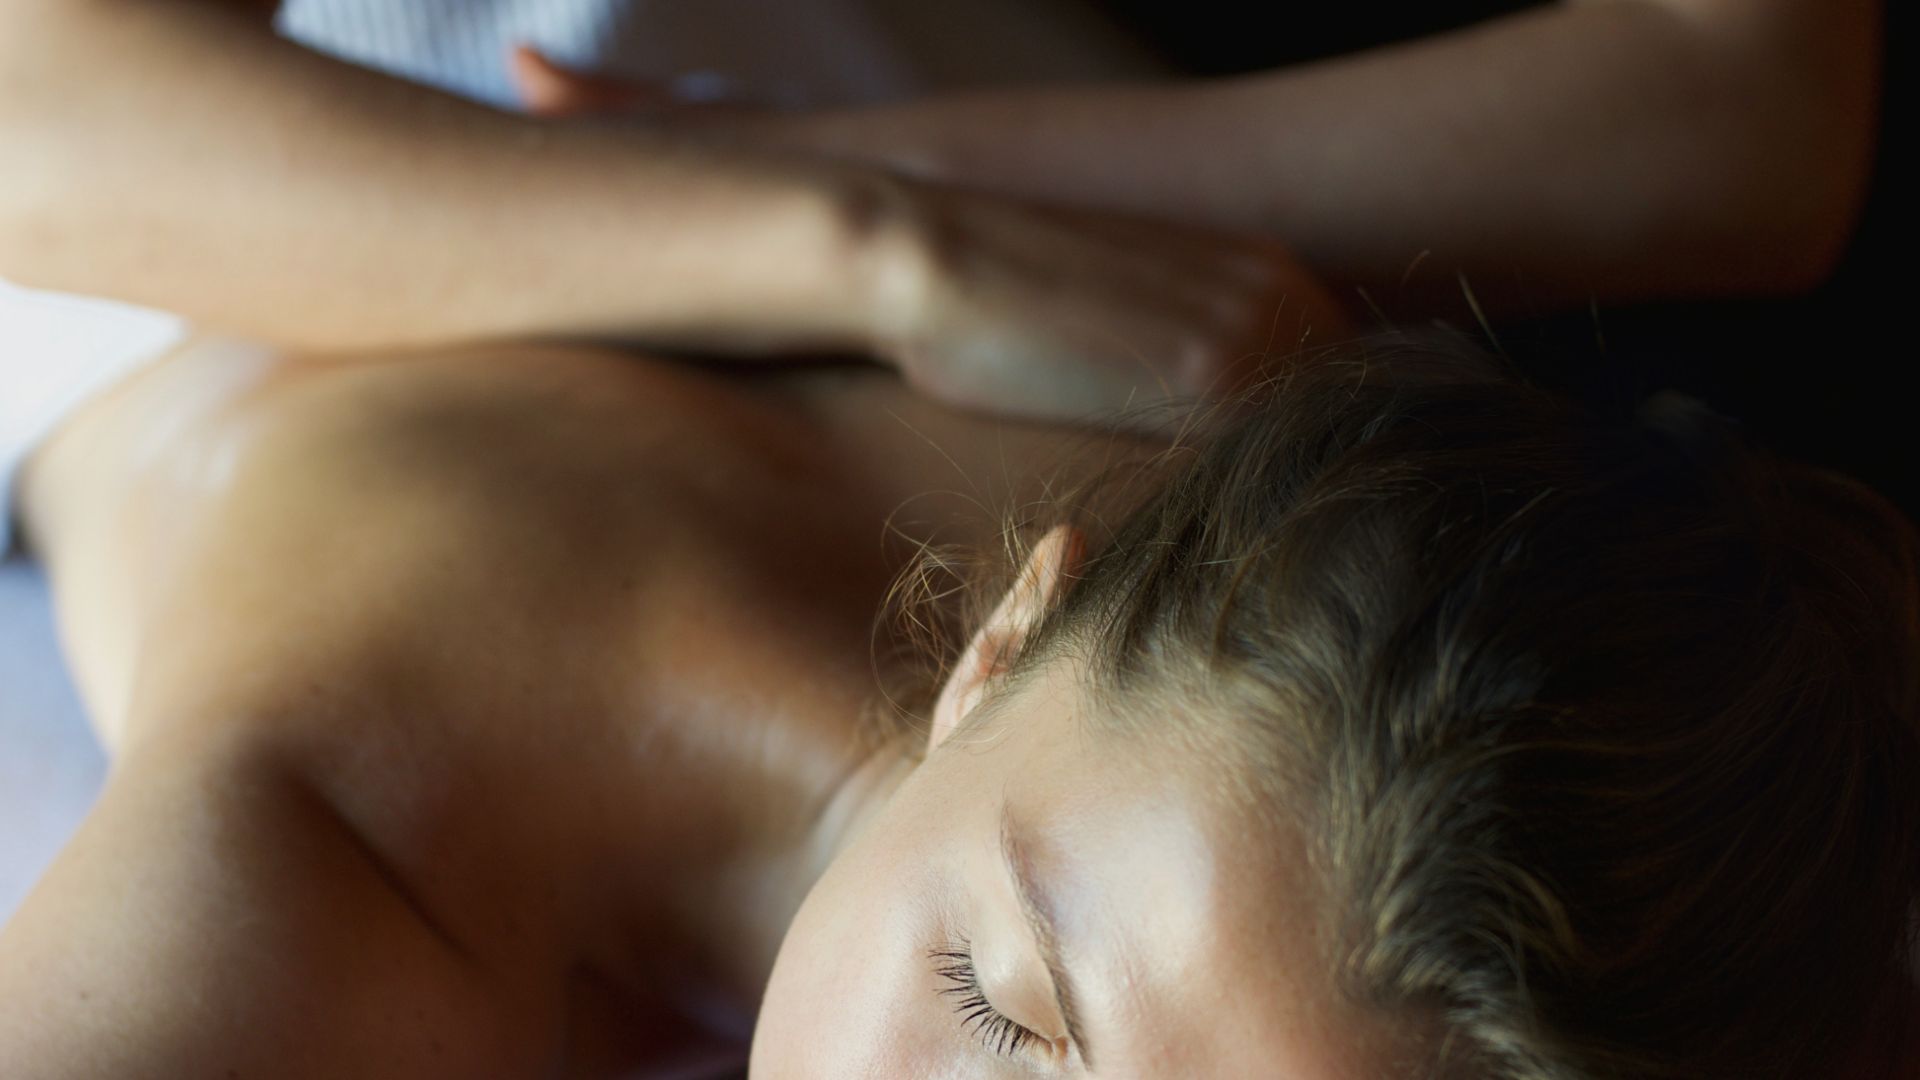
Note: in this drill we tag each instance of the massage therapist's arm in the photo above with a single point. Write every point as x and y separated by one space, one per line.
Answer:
176 153
1618 149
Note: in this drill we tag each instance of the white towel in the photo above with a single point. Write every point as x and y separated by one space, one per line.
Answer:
56 351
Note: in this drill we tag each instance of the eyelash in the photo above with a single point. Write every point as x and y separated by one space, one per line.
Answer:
954 963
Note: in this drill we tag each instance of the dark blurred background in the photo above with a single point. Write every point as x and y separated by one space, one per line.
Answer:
1821 377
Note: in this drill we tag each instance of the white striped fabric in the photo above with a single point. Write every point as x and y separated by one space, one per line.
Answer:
456 45
764 52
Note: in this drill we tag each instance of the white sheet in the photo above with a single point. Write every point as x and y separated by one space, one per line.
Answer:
56 352
51 768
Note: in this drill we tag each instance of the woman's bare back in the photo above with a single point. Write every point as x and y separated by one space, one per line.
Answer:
547 642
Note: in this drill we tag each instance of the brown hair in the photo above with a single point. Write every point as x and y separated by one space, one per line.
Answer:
1605 731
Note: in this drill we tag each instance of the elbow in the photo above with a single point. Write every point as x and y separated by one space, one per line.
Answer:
1793 120
1808 172
1770 227
1809 254
1802 209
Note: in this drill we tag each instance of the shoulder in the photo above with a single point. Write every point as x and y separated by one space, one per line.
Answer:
219 915
285 515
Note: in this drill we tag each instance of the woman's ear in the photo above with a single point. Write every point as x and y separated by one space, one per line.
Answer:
1055 558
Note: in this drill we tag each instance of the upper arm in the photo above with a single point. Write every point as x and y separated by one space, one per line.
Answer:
214 917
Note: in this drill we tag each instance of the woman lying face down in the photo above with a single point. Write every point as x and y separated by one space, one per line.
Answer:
1413 724
1045 897
496 714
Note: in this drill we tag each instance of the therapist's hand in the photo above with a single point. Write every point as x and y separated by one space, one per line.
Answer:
1042 311
1014 307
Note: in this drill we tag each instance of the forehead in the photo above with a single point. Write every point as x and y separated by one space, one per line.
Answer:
1194 923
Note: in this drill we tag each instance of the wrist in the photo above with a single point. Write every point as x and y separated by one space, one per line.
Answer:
754 254
885 256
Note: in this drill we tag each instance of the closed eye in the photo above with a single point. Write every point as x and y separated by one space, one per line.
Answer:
954 964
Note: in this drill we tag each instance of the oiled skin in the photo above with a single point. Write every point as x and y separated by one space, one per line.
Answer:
473 713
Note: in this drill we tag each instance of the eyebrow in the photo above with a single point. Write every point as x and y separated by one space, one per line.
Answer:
1036 906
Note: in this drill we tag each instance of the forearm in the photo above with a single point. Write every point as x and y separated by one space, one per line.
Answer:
1609 149
177 154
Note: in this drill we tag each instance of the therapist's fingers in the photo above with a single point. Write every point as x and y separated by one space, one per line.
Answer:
1056 313
551 90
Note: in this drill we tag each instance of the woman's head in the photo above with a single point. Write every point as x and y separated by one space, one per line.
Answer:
1051 890
1410 721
